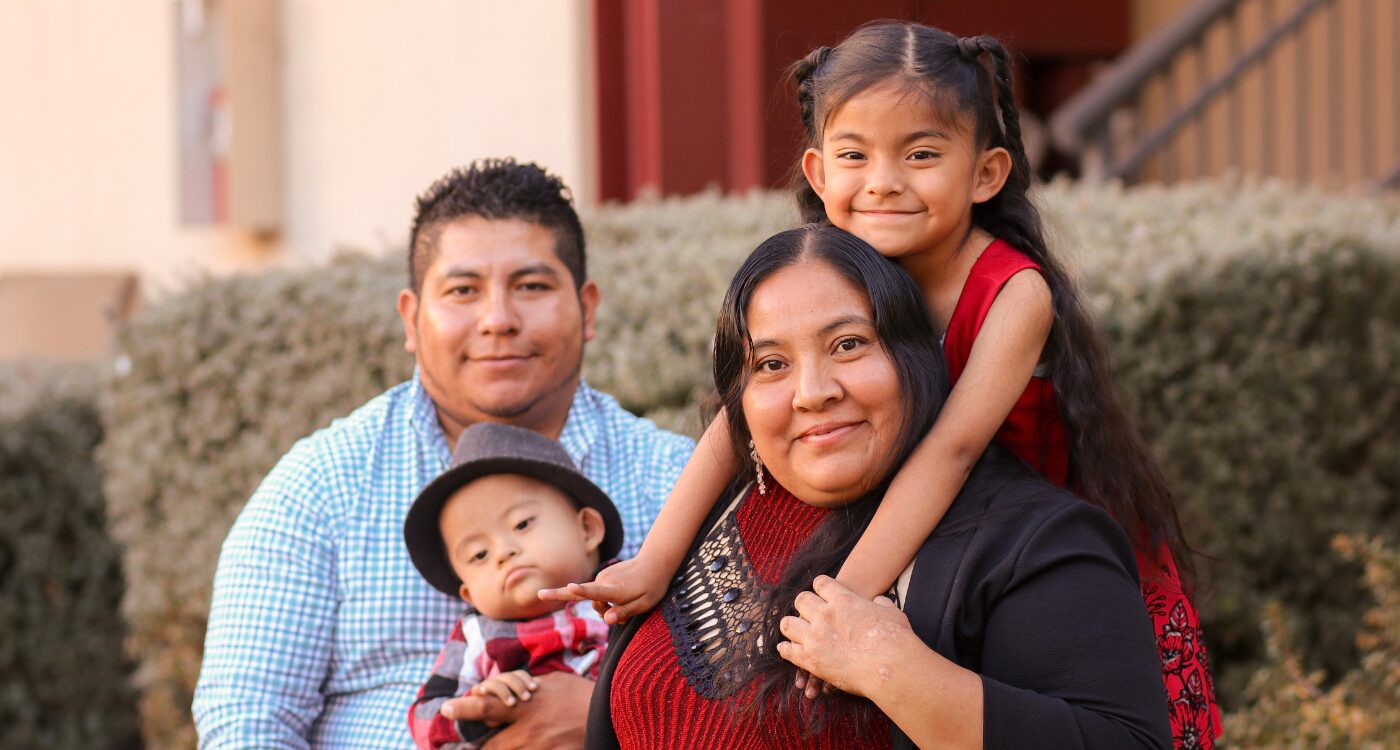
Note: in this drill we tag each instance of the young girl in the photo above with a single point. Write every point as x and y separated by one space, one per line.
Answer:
915 146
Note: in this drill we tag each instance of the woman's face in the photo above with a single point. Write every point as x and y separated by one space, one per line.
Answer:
823 401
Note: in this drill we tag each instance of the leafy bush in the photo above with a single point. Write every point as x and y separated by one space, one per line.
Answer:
1291 709
1258 329
64 679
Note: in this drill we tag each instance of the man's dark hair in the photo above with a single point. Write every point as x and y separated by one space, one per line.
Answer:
496 189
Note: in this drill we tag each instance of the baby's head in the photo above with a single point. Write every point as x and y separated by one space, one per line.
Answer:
509 517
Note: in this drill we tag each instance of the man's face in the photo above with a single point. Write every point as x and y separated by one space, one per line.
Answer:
498 328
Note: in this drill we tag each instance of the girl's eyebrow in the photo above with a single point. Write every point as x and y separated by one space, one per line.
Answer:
847 135
919 135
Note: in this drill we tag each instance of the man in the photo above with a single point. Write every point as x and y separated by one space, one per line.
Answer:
321 630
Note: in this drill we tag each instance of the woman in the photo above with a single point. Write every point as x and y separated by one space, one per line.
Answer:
1022 625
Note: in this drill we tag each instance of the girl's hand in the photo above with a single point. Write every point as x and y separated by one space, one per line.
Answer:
508 687
621 591
849 642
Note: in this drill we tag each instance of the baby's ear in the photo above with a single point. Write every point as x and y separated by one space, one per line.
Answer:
591 521
466 595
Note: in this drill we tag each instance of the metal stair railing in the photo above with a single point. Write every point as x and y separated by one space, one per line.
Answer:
1103 127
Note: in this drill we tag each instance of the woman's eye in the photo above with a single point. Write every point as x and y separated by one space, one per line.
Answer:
769 365
848 345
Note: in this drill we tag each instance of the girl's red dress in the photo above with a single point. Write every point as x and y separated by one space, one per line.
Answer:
1035 431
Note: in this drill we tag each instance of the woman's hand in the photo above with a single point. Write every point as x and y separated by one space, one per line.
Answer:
621 591
851 643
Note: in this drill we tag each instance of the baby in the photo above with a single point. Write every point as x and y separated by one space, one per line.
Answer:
510 516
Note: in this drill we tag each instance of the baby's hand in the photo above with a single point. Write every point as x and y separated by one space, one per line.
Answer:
620 592
508 687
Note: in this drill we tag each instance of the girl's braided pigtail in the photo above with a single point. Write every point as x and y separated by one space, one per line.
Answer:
803 74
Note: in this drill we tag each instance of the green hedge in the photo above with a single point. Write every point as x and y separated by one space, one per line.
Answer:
64 679
1256 327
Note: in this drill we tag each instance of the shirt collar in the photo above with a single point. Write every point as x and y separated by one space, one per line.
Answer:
581 427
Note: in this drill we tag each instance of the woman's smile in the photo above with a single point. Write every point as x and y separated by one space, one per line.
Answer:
828 434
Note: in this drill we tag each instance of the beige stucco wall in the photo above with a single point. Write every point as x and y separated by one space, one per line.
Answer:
379 98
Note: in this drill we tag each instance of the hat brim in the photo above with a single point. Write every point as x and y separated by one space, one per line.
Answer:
424 539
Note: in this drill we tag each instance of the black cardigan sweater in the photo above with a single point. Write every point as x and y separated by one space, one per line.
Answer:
1036 591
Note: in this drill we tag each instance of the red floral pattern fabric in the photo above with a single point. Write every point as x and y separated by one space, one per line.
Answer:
1194 714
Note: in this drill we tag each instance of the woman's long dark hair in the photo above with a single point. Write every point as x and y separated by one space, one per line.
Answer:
906 333
1110 463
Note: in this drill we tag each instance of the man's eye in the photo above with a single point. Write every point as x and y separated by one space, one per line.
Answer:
535 286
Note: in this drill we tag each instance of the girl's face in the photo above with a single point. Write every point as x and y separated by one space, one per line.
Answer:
823 401
894 174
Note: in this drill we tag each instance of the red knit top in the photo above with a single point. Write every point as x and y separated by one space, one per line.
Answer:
655 704
1035 431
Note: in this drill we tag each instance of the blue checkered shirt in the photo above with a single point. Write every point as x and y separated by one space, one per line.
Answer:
321 630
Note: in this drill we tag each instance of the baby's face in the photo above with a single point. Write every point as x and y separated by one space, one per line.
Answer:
508 536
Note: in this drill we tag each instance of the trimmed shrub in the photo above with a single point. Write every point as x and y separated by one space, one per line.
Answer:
1256 327
64 678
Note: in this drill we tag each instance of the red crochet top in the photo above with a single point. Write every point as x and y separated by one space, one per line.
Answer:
1035 431
662 695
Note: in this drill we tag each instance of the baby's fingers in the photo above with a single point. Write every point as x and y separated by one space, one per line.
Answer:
509 687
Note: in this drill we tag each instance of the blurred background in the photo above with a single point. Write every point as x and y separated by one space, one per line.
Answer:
148 141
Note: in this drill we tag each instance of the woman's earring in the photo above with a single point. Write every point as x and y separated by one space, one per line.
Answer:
757 468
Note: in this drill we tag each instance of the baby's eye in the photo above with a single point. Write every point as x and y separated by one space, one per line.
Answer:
478 556
524 523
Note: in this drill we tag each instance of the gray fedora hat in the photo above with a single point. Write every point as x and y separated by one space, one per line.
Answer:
488 448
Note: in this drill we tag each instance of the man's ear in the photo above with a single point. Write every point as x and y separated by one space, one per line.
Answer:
408 313
591 521
588 299
814 169
466 595
993 167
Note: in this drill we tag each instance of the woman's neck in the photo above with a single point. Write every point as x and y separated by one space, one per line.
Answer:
941 272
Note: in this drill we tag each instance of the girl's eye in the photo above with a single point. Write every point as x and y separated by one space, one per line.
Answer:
523 524
851 155
923 155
